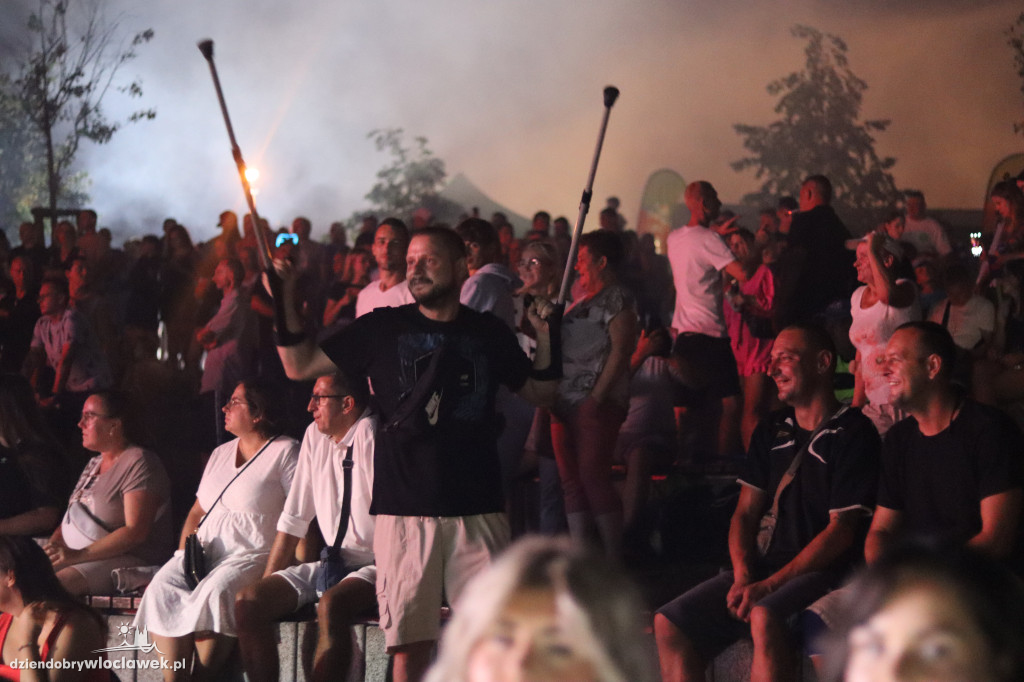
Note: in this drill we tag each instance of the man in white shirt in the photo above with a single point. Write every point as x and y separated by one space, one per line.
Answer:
390 243
923 231
698 256
341 421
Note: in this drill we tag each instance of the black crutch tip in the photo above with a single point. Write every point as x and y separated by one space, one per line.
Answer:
611 93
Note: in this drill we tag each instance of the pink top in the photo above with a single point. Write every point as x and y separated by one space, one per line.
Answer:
753 354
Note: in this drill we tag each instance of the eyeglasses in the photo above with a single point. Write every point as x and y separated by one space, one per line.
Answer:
319 399
88 417
531 263
235 402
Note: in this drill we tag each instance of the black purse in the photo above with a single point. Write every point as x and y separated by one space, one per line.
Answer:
332 565
195 560
195 556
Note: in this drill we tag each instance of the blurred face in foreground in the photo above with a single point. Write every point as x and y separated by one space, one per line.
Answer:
530 640
924 632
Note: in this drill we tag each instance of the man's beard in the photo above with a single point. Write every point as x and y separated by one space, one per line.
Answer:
435 295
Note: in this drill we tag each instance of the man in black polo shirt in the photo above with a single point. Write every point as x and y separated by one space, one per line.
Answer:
819 515
435 367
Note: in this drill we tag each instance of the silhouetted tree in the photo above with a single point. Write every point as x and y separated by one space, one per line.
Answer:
71 63
412 179
1015 39
21 158
820 131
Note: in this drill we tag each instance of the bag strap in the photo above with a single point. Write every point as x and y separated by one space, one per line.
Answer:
790 474
247 464
346 500
414 397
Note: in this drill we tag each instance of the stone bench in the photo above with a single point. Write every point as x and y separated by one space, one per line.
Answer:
296 639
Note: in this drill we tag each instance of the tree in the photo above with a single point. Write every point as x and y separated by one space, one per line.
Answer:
412 179
21 154
1015 39
71 64
820 132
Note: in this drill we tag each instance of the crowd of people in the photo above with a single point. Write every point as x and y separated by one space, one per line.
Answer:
440 376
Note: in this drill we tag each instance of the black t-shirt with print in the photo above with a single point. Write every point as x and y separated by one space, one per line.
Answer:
442 460
839 472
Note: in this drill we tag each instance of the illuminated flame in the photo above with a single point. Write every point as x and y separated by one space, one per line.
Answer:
252 174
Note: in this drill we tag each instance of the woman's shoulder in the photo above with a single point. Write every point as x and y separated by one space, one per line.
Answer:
138 460
79 630
284 446
617 297
143 456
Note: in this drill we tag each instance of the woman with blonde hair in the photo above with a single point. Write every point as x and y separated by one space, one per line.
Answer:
546 610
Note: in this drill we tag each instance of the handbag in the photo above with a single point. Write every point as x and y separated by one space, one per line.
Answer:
766 529
332 564
81 528
195 567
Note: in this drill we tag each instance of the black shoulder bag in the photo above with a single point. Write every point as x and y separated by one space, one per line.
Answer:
332 565
195 558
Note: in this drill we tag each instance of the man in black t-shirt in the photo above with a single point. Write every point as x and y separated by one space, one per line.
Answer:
435 367
818 516
952 469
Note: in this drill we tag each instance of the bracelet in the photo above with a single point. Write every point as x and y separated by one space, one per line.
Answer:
288 338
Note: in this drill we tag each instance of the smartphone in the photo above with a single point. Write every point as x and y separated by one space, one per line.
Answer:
285 238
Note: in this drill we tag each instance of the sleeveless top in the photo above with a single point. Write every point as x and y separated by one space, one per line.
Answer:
870 331
14 674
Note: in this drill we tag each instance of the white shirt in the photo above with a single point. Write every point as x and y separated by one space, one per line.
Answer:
926 235
969 322
319 483
373 296
697 256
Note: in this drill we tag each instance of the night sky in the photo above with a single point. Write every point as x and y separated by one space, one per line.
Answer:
509 94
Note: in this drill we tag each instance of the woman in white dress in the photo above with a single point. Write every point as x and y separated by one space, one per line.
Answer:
199 625
878 308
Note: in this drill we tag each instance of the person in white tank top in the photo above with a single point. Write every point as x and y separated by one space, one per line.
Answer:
878 308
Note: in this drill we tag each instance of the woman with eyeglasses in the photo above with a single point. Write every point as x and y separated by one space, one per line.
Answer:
119 512
254 472
538 269
540 273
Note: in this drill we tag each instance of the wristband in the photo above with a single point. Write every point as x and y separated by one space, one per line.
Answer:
285 338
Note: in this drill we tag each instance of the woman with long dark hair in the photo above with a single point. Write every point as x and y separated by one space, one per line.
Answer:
40 621
921 613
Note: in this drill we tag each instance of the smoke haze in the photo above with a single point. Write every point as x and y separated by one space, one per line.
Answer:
509 94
